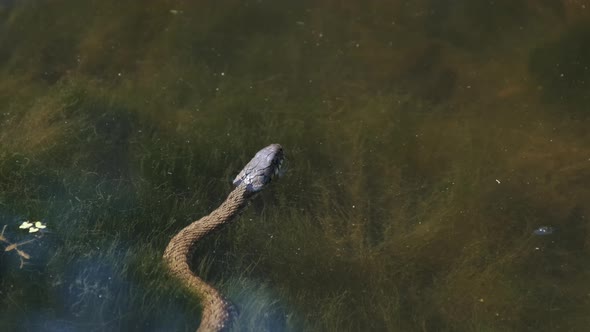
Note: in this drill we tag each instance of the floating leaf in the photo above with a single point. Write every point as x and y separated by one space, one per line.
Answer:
25 225
39 225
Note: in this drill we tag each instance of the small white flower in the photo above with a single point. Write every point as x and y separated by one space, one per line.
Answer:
33 230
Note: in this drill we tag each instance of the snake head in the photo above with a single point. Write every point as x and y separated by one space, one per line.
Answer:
265 165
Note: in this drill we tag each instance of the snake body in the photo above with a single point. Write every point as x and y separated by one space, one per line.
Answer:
217 311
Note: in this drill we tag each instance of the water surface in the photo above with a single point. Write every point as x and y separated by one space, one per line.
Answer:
427 143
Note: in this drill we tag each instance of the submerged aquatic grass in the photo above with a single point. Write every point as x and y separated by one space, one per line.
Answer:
417 168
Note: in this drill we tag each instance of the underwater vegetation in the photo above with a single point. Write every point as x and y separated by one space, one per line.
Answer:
427 144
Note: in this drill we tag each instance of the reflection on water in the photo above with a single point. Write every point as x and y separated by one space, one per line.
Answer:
438 154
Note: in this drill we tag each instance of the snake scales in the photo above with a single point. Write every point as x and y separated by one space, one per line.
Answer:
217 311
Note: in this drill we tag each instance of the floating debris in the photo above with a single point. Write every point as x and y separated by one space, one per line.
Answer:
544 230
32 227
14 246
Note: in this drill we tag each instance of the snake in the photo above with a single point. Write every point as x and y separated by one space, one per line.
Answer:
217 311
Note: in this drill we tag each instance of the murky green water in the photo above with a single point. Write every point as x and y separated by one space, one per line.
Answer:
427 143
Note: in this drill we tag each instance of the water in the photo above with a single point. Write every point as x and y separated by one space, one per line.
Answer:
427 144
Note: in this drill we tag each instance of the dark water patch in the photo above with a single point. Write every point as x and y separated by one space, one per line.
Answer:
474 25
106 135
428 76
56 60
562 69
45 50
231 33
